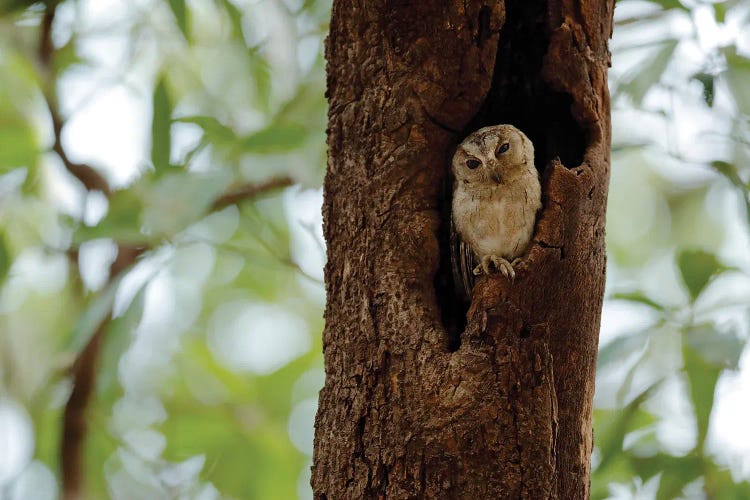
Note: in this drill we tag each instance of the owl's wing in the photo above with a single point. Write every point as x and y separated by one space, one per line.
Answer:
462 263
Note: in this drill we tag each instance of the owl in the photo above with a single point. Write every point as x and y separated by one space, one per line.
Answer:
496 196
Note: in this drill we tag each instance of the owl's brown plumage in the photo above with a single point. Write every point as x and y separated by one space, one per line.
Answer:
496 196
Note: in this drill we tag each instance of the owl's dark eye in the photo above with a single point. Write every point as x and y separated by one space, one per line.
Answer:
472 164
502 149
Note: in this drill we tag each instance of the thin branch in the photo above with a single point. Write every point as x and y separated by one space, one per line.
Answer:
249 191
84 368
87 175
46 49
84 382
74 417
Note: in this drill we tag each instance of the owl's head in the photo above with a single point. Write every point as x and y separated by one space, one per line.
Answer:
493 155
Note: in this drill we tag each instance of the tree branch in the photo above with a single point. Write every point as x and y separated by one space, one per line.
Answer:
84 367
86 174
248 191
84 383
74 416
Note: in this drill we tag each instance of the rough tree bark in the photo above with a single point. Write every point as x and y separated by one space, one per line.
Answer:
506 411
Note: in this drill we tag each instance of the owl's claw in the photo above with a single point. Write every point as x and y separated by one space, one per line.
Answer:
501 265
504 267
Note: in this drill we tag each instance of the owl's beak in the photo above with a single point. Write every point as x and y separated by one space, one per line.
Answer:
496 177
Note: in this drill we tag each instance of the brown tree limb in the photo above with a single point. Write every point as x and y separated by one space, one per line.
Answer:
249 191
84 373
87 175
74 423
85 366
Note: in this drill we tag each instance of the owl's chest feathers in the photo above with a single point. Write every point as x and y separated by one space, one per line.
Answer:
497 219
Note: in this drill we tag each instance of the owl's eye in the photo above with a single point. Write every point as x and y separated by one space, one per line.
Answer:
472 164
502 149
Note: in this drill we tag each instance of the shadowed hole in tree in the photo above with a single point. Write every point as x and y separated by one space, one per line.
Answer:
518 96
453 306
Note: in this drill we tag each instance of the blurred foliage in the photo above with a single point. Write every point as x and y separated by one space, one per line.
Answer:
678 285
208 377
211 361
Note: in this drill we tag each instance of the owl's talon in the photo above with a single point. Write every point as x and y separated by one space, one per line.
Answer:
504 267
500 265
484 266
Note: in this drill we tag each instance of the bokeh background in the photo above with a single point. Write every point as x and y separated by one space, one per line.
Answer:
160 172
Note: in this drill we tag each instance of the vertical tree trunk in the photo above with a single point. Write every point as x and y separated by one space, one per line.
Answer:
506 414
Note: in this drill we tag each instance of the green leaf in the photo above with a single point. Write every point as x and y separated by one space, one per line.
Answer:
235 18
639 297
619 147
5 259
8 6
274 139
161 138
719 348
676 472
94 315
706 353
261 73
119 336
707 80
670 4
122 222
697 267
616 424
702 378
180 11
18 143
649 73
730 171
621 347
737 76
215 131
721 486
308 101
177 200
617 471
66 56
720 11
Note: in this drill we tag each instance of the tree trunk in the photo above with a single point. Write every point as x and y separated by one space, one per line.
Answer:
504 411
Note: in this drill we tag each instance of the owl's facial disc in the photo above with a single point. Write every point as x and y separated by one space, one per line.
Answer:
492 155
